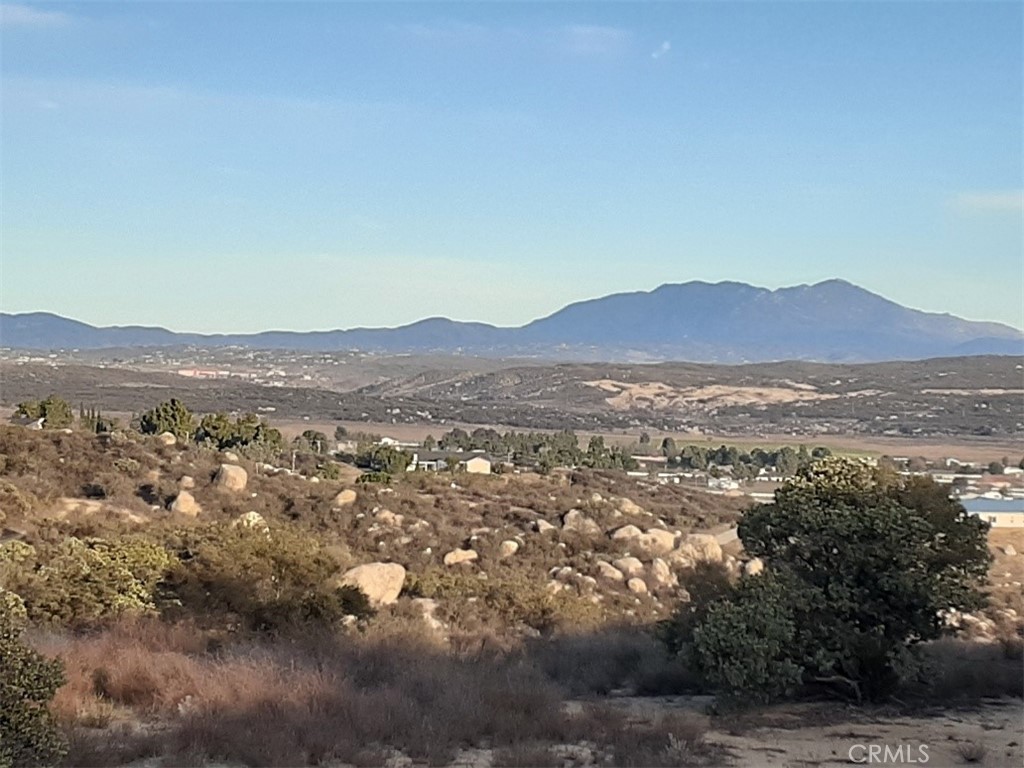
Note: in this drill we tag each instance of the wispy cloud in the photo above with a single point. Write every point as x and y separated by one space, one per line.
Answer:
587 40
662 50
990 201
19 15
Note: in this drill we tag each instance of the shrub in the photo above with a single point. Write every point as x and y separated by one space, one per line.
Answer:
705 583
28 734
266 580
513 599
80 581
744 645
55 411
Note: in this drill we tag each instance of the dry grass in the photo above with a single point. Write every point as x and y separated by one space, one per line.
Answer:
316 699
959 670
626 659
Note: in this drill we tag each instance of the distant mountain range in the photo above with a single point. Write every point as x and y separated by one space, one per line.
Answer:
701 322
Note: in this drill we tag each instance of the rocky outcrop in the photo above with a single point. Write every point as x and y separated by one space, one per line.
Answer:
508 548
626 533
654 541
389 518
630 507
629 566
381 582
457 556
231 477
575 520
661 575
185 504
609 571
637 586
252 520
701 547
344 498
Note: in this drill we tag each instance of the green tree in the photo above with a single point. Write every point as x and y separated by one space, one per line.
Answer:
170 416
340 433
787 461
864 571
313 441
384 458
57 413
429 443
995 468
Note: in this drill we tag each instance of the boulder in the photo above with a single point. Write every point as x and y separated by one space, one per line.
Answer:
457 556
658 541
389 518
637 586
596 498
654 542
626 533
185 504
231 456
543 526
1009 550
380 582
661 575
186 482
252 520
508 548
702 546
231 477
630 507
166 438
575 520
679 559
753 567
563 574
630 566
609 571
345 498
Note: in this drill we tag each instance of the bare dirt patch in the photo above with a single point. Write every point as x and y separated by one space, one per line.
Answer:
660 396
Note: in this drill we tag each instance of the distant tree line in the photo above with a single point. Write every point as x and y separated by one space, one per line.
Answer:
785 460
541 450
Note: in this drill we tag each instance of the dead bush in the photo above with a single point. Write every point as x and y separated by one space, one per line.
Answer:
960 670
602 662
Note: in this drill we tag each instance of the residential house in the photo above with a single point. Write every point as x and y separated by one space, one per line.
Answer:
474 462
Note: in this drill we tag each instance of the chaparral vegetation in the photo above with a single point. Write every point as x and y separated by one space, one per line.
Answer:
193 589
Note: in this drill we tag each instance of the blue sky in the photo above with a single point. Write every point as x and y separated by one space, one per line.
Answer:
243 166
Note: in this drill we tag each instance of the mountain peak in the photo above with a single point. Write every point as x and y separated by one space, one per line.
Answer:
833 320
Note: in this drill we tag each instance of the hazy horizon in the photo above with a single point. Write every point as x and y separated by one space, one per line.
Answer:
424 319
238 167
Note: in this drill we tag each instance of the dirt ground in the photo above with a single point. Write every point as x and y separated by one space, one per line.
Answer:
791 737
